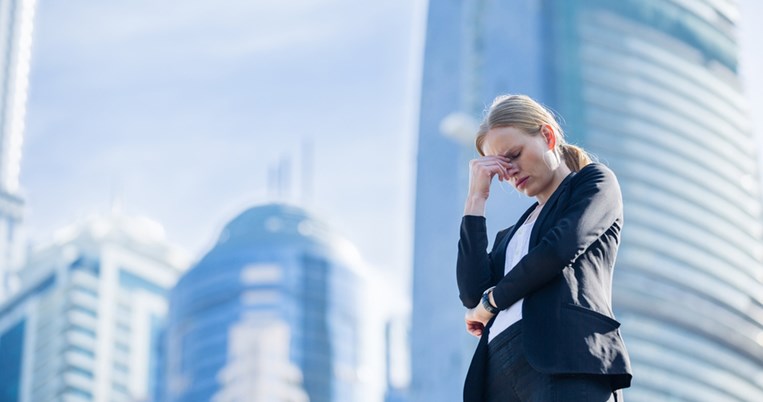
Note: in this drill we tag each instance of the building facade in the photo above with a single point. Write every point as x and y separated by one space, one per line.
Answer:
16 26
282 277
652 89
86 324
397 334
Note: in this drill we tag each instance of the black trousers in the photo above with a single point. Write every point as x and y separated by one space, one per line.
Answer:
510 377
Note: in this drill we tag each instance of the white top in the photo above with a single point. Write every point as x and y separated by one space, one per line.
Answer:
516 249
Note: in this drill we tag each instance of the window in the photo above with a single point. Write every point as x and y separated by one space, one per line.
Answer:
11 348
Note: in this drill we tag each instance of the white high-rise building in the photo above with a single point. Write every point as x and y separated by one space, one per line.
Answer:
87 322
258 367
16 23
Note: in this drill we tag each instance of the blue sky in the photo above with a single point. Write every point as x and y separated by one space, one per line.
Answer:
179 109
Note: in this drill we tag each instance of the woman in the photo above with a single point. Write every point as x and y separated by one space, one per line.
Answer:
540 300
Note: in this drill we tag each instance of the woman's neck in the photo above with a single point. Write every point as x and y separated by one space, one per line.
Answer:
559 174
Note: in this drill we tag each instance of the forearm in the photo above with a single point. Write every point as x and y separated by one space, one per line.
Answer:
536 269
473 269
492 299
543 264
475 206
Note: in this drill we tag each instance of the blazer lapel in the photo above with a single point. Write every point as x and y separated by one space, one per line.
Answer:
548 208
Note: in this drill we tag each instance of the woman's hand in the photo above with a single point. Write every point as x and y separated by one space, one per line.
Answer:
481 172
476 319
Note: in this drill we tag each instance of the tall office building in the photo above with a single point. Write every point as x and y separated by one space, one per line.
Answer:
474 51
651 88
277 302
16 23
397 335
86 324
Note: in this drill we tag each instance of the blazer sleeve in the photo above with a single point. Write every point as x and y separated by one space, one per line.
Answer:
595 204
474 266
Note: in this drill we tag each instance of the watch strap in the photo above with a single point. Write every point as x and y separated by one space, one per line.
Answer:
486 302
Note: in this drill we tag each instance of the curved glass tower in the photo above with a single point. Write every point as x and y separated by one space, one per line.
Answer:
651 87
272 311
654 91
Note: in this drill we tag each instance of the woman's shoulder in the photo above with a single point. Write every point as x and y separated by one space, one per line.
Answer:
594 178
595 170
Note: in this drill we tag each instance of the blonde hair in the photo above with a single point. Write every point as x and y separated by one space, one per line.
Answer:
523 113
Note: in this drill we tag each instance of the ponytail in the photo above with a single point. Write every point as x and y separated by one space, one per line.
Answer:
575 157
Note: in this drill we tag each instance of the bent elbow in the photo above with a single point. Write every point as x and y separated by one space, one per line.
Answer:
470 290
470 299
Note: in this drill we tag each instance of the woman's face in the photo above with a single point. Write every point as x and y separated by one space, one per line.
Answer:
535 172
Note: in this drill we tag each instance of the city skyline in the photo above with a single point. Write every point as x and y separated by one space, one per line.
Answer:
182 116
147 131
134 125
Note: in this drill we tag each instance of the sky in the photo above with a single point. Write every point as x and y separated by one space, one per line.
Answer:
177 111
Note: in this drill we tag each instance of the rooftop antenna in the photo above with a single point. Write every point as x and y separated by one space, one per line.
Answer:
284 178
271 182
307 171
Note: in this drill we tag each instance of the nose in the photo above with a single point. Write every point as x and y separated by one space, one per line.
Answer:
513 172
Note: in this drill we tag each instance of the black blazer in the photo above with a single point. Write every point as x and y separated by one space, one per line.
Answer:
565 280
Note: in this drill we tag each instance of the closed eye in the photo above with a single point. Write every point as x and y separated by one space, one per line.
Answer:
513 156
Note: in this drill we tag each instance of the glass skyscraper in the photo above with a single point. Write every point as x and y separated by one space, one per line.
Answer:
86 324
16 25
280 276
651 88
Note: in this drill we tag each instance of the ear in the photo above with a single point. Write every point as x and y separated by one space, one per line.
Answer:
549 135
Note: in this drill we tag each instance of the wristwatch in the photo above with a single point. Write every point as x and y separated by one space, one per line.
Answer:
486 301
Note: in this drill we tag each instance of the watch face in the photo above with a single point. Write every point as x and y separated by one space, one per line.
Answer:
486 303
